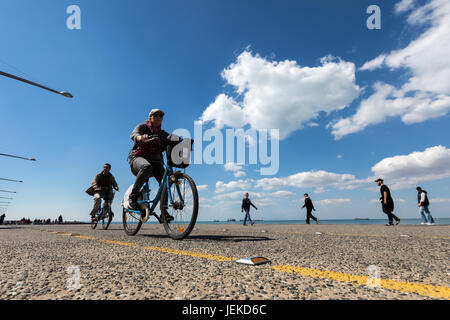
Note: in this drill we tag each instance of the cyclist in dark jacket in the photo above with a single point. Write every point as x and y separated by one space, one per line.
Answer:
102 184
309 207
246 203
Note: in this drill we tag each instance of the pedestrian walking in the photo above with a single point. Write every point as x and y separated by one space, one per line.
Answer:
309 208
423 203
2 218
387 203
246 203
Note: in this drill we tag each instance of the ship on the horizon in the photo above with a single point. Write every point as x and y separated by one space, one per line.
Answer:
231 220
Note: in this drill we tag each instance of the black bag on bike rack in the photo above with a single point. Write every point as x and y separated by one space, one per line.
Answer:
179 153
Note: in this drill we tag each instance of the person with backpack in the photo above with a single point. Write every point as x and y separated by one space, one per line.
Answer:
423 203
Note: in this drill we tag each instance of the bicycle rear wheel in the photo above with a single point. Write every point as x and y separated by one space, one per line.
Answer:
131 222
184 209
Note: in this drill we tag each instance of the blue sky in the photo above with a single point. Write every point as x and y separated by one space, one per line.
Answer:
128 58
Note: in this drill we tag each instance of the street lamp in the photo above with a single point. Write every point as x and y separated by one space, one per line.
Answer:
11 180
13 156
63 93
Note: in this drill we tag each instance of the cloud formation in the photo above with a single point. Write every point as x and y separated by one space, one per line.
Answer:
235 168
298 91
407 171
426 93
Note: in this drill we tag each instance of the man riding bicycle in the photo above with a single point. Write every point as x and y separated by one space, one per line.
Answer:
102 186
145 158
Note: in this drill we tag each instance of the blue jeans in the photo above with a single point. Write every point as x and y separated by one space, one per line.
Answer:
247 215
423 210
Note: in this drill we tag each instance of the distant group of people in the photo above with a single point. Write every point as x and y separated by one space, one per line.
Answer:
387 206
25 221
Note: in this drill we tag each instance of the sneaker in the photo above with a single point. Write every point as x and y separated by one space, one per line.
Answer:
317 221
398 221
389 224
253 222
132 203
422 223
428 223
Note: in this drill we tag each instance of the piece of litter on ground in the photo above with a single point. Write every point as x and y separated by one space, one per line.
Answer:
318 232
263 230
224 229
253 260
404 236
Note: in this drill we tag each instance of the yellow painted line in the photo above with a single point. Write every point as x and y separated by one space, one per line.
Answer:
119 242
192 254
440 292
403 286
84 237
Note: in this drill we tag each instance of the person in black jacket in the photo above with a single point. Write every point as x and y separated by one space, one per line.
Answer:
309 207
387 203
246 203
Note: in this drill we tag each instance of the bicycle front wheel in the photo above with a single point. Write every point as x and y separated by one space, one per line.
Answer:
94 224
131 222
106 221
184 208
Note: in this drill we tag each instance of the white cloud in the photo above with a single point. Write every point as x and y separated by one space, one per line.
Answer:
374 63
315 179
237 195
440 200
320 189
425 95
300 92
232 185
282 193
235 168
327 202
202 187
406 171
386 102
404 5
224 111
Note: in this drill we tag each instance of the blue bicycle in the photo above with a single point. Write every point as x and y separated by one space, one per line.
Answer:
178 198
105 215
